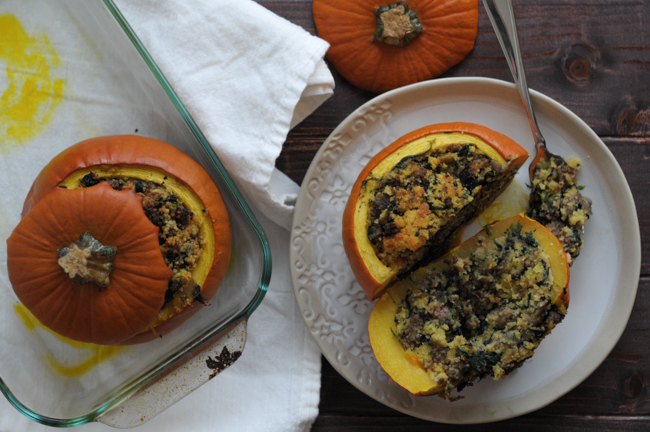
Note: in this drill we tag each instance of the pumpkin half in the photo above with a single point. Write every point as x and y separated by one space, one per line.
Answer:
480 310
415 195
382 46
168 192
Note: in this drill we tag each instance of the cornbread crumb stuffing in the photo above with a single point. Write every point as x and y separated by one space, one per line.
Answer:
556 202
482 316
419 205
178 237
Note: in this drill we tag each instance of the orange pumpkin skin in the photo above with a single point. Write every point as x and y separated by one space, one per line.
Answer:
503 145
83 312
403 367
141 151
450 28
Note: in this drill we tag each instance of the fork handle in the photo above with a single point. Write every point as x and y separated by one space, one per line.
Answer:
502 18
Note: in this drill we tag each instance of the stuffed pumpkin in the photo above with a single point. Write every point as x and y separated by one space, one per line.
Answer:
415 196
480 310
122 239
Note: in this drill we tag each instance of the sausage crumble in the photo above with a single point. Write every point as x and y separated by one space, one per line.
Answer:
556 202
417 207
482 316
178 236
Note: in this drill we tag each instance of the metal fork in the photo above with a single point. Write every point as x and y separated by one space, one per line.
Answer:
502 17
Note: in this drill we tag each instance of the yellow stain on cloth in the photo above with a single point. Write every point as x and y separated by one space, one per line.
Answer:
96 354
32 94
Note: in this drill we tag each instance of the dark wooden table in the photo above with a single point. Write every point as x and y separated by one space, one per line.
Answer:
594 58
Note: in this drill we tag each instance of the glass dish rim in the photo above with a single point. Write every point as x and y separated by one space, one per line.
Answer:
203 340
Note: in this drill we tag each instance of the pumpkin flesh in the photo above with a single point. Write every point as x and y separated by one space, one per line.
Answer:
449 323
421 218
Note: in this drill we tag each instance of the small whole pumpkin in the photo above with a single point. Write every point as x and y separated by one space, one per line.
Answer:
382 46
466 335
415 195
122 238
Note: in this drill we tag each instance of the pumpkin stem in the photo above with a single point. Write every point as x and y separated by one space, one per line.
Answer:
87 261
396 24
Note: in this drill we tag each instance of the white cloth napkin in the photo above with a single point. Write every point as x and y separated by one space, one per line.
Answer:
247 76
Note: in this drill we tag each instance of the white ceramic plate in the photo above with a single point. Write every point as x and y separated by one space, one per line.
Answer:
604 278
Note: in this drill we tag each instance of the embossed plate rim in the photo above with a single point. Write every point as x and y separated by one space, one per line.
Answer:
618 305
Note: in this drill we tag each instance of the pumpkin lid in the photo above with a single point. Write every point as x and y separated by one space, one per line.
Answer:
87 264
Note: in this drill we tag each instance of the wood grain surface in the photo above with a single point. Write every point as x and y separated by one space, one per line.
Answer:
594 58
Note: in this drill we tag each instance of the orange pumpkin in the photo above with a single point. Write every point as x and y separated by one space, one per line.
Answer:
374 275
171 177
405 367
379 47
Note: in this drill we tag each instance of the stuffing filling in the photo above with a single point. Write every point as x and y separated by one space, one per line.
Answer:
179 237
556 202
419 205
484 315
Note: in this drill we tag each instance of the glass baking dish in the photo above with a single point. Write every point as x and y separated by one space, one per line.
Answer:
93 77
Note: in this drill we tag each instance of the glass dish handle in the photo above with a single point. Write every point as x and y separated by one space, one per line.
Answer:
178 382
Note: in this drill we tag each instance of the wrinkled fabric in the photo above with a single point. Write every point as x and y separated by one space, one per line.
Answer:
246 76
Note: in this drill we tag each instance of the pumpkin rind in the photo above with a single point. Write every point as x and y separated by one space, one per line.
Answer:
450 28
85 312
372 275
113 153
402 366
